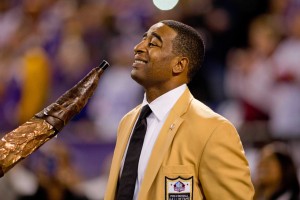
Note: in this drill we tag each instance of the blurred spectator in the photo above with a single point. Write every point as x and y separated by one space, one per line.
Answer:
71 60
9 90
215 24
276 177
97 23
280 10
72 53
250 76
56 176
35 83
10 18
285 112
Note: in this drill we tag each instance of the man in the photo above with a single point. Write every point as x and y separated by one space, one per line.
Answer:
24 140
189 152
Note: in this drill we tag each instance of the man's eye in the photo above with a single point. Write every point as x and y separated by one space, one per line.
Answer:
152 45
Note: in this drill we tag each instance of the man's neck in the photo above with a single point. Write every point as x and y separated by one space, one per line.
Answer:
155 92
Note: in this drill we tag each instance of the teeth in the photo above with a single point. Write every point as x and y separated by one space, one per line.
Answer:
140 61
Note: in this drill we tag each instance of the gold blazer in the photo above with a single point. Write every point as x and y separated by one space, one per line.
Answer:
197 155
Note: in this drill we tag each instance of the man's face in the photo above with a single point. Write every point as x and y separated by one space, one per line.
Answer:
154 59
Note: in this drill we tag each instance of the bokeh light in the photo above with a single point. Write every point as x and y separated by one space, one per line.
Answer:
165 4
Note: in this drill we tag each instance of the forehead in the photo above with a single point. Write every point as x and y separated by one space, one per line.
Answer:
164 31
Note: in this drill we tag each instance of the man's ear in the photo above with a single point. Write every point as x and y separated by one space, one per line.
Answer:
181 65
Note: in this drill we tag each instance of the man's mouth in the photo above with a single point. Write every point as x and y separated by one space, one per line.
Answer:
140 62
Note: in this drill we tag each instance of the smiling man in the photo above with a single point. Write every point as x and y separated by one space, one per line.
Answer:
172 146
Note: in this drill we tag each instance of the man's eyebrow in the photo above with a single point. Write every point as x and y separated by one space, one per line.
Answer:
154 35
145 34
157 36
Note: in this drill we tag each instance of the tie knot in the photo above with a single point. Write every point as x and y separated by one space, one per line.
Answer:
146 111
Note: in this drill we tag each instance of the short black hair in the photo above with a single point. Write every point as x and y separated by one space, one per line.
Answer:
189 43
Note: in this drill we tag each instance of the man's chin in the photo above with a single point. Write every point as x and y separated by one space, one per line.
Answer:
136 77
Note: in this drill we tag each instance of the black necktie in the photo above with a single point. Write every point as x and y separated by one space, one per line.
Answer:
129 174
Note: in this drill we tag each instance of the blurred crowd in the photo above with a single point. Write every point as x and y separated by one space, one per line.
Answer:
251 75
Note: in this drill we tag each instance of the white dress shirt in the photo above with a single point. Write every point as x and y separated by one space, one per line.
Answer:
160 107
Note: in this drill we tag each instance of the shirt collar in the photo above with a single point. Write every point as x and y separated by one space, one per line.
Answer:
162 105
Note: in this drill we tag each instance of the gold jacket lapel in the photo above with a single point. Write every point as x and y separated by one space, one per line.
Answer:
122 140
164 141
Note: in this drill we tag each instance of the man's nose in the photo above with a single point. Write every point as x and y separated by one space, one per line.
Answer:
140 47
